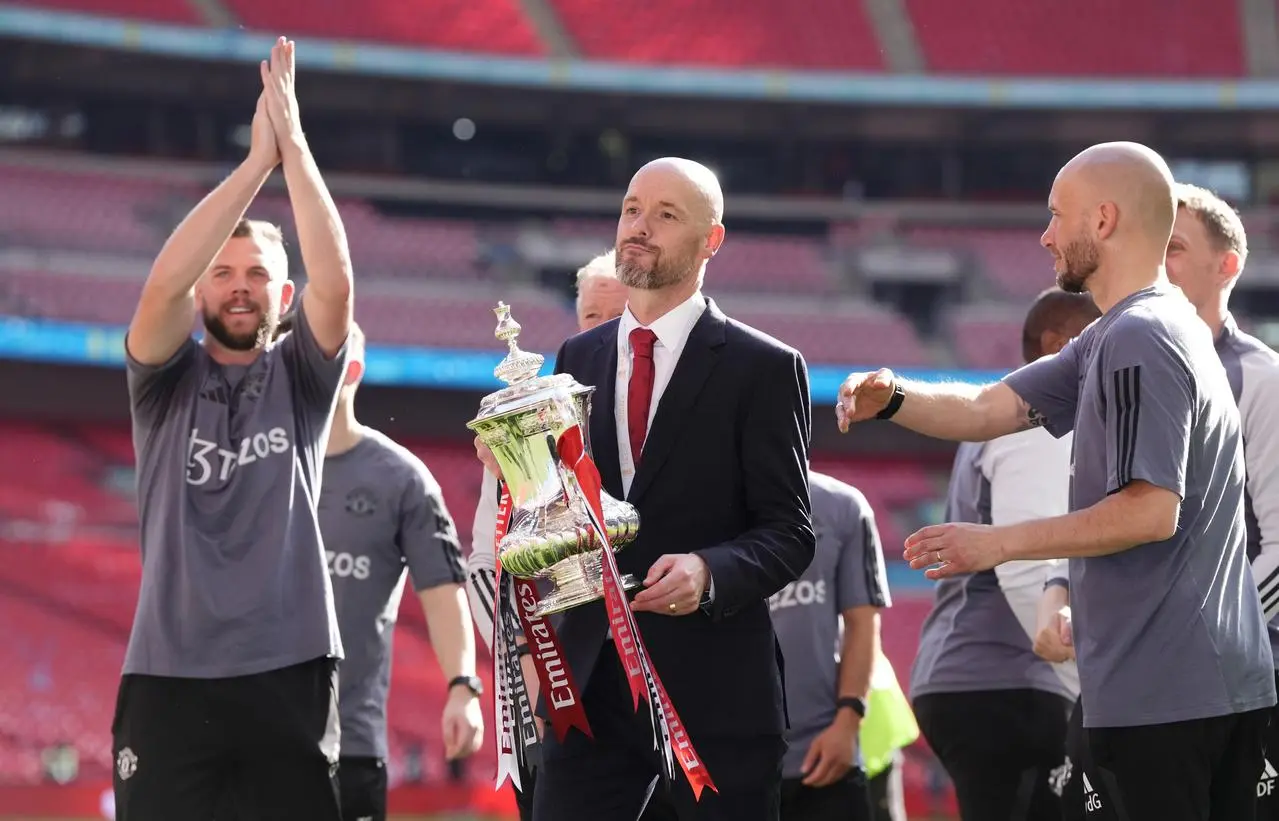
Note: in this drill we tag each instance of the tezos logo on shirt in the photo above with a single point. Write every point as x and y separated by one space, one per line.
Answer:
344 565
798 594
205 460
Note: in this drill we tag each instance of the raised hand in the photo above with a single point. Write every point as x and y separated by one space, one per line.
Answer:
861 396
278 88
264 152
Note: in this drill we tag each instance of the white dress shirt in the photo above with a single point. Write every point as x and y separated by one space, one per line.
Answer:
672 330
1029 475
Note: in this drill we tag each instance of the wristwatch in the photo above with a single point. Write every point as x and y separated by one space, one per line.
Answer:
857 705
471 683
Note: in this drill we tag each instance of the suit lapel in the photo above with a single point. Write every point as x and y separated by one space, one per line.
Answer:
700 355
603 423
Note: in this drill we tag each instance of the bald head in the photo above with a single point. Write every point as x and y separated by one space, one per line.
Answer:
671 224
1055 318
697 184
1133 180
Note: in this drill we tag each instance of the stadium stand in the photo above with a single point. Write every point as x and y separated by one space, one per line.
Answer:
1133 38
488 26
828 34
162 11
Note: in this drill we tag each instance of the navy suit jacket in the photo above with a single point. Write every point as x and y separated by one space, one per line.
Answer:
724 474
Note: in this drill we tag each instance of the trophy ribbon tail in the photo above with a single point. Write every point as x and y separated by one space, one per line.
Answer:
562 697
515 745
669 734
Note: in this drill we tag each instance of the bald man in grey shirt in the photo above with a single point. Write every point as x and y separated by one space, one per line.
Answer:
1174 661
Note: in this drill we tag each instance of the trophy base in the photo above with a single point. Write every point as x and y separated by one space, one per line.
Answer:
575 581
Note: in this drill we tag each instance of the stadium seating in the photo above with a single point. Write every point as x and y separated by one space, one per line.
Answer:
1198 38
1133 38
161 11
987 337
488 26
826 34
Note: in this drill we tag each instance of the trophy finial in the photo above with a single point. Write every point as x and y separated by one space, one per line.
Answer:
518 365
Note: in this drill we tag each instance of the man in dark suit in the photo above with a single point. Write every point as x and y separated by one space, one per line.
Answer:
703 424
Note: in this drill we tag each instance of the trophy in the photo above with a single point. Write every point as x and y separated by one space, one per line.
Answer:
550 535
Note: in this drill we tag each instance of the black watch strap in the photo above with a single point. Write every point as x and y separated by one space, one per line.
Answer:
471 683
857 705
894 403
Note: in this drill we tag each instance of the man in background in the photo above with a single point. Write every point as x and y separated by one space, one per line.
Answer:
383 520
993 713
600 297
827 622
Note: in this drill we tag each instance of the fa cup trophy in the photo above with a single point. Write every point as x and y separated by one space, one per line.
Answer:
550 535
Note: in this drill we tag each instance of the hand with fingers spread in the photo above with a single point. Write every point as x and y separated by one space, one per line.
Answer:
953 549
674 585
278 88
862 395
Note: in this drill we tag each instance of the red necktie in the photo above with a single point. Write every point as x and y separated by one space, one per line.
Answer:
639 396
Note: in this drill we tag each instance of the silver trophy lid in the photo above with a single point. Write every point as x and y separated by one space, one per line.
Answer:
519 371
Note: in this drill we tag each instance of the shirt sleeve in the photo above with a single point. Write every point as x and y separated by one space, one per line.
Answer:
1029 476
1259 409
427 537
316 377
1149 394
481 564
153 387
1050 385
861 577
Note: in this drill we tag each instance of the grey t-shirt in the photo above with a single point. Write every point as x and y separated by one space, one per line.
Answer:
977 637
1253 369
229 463
383 517
847 571
1167 631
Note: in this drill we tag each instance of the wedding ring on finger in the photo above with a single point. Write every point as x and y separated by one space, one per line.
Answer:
937 555
673 607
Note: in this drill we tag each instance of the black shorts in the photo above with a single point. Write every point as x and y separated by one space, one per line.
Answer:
1198 770
362 786
248 747
846 800
1268 783
1000 748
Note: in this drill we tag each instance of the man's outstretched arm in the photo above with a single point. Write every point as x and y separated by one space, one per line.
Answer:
166 309
1043 393
327 298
